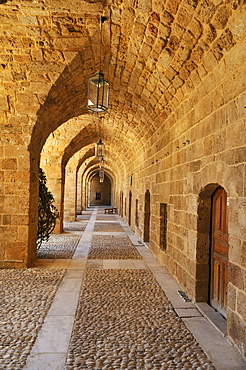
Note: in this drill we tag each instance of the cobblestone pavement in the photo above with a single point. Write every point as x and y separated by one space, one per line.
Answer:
74 226
83 217
110 247
60 246
108 227
106 218
26 296
119 319
125 321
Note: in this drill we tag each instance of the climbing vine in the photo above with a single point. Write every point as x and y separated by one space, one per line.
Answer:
47 212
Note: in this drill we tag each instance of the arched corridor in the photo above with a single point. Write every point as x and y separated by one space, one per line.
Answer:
115 307
173 134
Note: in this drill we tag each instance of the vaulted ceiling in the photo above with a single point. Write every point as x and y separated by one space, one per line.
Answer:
153 53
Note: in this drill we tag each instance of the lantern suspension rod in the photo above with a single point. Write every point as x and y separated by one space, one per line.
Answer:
98 86
102 20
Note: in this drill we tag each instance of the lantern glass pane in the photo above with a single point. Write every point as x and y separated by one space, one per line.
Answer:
98 93
99 150
101 175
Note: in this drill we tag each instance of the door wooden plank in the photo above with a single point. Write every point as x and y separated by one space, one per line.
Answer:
219 251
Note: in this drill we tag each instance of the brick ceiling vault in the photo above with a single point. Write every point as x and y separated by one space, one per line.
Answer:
149 50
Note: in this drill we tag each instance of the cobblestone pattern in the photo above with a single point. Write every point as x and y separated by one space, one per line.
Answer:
106 218
59 246
111 247
83 217
124 321
110 227
25 299
74 226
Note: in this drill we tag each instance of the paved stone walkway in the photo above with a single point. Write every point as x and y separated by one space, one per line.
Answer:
125 321
112 247
123 313
26 296
58 247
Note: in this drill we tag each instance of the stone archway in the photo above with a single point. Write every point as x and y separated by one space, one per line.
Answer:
100 193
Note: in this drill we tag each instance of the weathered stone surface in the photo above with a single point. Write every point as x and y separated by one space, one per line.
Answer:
27 296
150 335
176 124
112 247
58 246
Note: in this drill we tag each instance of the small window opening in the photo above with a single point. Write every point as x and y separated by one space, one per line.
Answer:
163 226
98 196
136 214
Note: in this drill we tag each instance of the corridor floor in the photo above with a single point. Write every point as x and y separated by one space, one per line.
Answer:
112 306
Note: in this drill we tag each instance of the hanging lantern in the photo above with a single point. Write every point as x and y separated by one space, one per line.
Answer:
102 164
101 175
99 149
98 93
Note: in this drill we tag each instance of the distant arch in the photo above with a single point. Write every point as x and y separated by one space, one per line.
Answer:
100 192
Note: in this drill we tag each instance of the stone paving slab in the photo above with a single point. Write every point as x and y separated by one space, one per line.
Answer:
59 246
223 355
125 321
26 297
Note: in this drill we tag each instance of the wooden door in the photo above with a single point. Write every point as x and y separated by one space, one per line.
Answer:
219 252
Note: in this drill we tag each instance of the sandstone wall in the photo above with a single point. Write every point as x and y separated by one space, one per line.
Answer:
176 125
206 149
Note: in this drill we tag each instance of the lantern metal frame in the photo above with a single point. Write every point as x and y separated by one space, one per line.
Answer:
98 93
102 164
99 149
101 175
98 85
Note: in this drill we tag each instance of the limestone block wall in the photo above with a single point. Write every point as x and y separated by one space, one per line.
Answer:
176 123
30 63
206 148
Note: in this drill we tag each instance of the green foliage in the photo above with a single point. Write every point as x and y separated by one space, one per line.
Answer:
47 212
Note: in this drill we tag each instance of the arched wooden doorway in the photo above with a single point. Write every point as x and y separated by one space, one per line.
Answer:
219 251
147 216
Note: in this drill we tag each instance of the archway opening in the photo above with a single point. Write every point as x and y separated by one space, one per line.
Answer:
100 192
